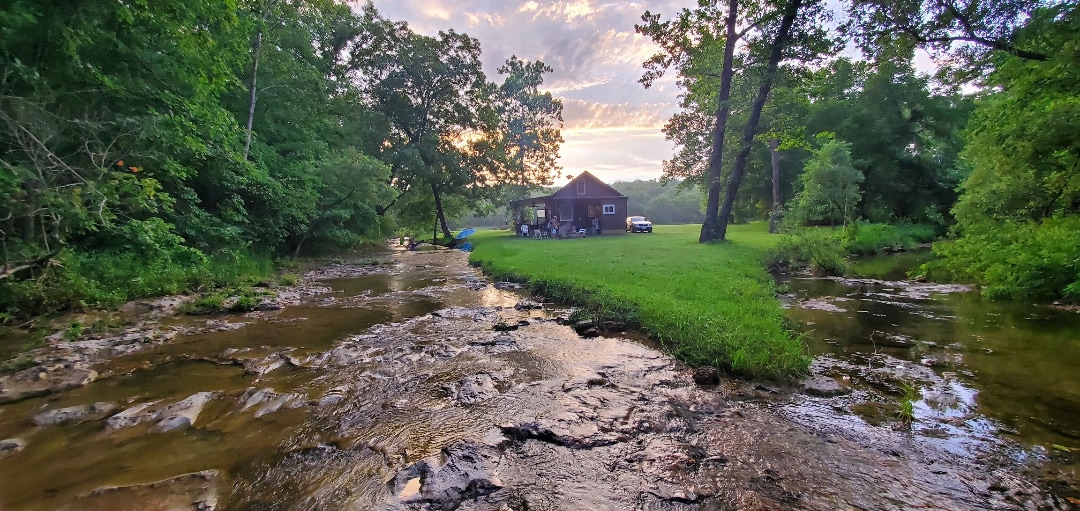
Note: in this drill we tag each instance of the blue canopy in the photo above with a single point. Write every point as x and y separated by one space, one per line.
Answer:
465 233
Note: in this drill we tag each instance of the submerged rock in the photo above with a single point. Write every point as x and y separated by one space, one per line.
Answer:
526 305
267 401
613 326
11 446
475 389
80 413
586 329
179 415
184 413
196 491
465 472
39 381
823 386
267 304
129 417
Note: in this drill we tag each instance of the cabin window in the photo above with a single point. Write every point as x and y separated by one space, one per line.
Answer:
581 187
609 209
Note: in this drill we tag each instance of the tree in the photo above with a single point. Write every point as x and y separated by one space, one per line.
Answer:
691 43
967 31
102 104
905 137
688 42
529 125
350 185
125 148
438 102
810 42
830 186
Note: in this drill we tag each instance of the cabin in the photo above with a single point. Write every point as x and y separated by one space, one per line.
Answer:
584 202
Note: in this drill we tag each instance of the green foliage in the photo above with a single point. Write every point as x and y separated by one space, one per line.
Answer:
288 279
664 202
231 299
906 411
1023 149
830 186
708 304
825 250
861 238
120 130
350 186
74 330
530 124
1015 260
246 302
1018 218
16 364
110 278
207 304
820 249
904 136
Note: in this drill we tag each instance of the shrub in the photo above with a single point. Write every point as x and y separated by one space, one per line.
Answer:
109 278
1015 260
863 238
818 248
824 249
288 279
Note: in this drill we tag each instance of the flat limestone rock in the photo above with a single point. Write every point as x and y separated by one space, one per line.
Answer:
196 491
823 386
36 382
79 413
184 413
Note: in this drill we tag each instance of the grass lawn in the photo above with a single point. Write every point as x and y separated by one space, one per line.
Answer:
706 304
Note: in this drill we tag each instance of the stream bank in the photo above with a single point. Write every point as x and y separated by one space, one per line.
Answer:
391 388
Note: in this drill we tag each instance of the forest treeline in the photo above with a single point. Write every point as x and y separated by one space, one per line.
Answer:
664 202
158 147
777 122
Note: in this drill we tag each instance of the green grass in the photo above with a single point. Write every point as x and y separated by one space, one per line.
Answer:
706 304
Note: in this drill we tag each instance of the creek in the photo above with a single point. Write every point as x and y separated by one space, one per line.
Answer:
420 384
981 376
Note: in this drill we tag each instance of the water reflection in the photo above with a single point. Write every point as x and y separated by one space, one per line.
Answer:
1013 363
261 353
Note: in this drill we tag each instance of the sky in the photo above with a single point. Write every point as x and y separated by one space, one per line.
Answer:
612 123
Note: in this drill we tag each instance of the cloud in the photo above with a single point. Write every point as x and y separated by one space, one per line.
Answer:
582 115
612 122
584 41
616 155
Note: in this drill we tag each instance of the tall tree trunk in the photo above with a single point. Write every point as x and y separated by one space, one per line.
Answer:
710 228
256 50
33 203
440 215
774 215
739 168
296 253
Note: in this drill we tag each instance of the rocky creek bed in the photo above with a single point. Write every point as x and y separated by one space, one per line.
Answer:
401 387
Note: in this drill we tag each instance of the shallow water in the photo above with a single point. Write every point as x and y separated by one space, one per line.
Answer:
996 369
394 391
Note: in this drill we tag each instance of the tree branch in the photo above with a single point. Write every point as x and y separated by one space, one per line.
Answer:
33 263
